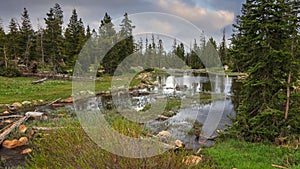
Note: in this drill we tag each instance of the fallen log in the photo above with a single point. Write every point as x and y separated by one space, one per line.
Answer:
11 128
11 116
39 81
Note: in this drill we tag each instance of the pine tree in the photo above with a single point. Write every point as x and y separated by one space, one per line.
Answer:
53 39
3 56
222 50
74 39
107 39
262 48
26 38
13 48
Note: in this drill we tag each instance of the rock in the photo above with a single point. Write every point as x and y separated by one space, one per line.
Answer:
164 135
23 141
68 100
26 151
32 132
26 103
162 117
22 128
191 160
60 115
6 112
155 83
10 143
14 106
17 105
179 144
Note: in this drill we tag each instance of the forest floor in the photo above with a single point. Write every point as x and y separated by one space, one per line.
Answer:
226 153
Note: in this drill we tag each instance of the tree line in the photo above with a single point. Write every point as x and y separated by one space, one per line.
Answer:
55 48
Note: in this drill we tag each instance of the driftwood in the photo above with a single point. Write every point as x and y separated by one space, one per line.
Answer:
11 128
11 116
39 81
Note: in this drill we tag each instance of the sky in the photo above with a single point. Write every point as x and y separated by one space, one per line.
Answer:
211 16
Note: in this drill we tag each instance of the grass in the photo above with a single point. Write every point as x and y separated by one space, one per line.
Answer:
20 89
72 148
238 154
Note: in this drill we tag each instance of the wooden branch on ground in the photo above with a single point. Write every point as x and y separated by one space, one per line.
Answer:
47 128
11 128
11 116
278 166
54 102
39 81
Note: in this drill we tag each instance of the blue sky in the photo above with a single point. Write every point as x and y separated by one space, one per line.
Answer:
212 16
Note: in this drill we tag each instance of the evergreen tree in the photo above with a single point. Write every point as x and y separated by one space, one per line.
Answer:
74 39
54 48
13 42
262 48
107 38
222 50
26 38
3 57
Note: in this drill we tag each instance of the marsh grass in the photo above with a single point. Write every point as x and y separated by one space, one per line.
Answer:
72 148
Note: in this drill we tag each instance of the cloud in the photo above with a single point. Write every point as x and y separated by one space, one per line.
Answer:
208 20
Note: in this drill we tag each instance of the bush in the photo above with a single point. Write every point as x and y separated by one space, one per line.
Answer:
9 71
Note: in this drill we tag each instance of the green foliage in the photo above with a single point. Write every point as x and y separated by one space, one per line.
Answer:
262 48
9 71
74 39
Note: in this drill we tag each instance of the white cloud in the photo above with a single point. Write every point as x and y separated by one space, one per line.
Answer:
208 20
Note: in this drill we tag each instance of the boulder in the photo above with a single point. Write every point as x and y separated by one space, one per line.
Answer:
192 160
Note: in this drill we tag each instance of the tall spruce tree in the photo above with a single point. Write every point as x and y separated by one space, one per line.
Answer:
13 48
262 48
53 39
74 39
107 38
26 38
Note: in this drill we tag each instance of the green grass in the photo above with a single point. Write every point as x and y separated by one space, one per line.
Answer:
20 88
238 154
71 148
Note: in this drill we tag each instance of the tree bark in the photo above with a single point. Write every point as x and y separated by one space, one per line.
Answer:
288 93
5 57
